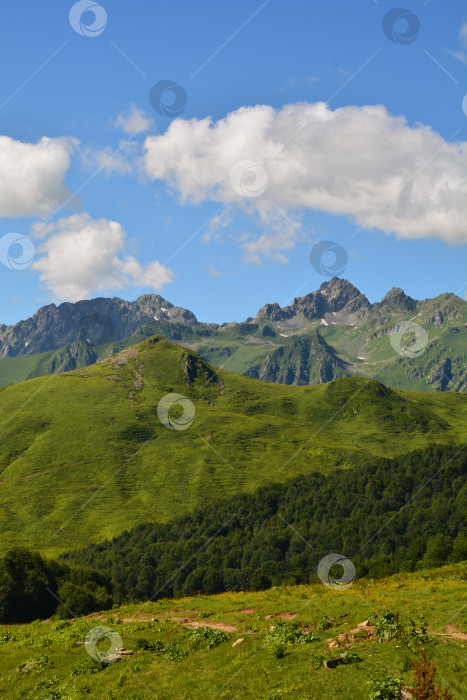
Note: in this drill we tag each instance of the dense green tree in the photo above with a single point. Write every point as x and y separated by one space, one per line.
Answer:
438 550
388 516
32 587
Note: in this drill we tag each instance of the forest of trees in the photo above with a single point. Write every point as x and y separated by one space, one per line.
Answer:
393 515
280 532
33 588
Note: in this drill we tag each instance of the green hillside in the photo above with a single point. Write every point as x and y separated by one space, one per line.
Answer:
84 456
260 645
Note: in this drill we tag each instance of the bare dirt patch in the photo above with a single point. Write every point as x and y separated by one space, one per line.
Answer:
452 631
362 633
282 615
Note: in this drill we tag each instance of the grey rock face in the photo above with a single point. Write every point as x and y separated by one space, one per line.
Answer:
94 321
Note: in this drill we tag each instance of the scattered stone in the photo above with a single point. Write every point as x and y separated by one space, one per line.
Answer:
364 624
238 641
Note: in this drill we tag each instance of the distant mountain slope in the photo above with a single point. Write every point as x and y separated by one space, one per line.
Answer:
306 360
84 455
323 335
94 321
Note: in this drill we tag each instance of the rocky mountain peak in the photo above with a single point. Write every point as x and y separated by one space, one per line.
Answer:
341 295
397 298
335 295
95 321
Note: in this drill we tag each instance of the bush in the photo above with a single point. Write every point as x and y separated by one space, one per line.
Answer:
323 624
278 650
424 688
175 653
289 633
411 632
387 688
206 636
143 644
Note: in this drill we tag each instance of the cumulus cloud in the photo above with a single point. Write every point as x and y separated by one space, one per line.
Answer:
32 175
83 256
359 162
134 121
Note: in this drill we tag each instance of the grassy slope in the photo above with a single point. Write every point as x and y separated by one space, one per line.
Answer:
248 670
83 455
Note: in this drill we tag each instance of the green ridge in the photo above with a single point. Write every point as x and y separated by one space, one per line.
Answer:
83 455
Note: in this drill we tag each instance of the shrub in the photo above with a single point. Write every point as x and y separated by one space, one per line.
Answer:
208 637
386 688
143 644
424 688
289 633
278 650
323 624
410 632
175 653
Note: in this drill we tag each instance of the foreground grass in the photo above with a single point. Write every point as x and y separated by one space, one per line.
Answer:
62 669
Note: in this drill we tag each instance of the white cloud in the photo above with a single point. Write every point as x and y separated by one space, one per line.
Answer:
32 175
122 161
462 54
83 256
134 121
359 162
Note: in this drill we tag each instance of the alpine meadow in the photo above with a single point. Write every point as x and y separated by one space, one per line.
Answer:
233 357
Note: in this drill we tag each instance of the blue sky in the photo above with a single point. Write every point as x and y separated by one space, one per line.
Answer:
114 213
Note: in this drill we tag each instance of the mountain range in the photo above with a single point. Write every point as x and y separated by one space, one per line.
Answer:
333 332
